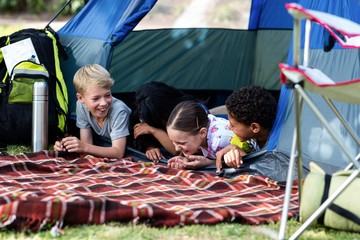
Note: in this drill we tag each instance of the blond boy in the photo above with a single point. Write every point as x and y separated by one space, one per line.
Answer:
102 119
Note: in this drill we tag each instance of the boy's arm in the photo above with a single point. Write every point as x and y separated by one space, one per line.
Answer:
86 135
220 154
117 150
233 158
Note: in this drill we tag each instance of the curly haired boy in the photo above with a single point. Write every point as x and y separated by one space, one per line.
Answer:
251 111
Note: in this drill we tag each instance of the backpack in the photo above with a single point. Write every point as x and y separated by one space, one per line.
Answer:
16 87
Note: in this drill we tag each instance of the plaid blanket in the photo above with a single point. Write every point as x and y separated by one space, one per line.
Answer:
39 190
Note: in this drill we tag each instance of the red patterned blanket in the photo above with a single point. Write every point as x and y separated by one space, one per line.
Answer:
38 190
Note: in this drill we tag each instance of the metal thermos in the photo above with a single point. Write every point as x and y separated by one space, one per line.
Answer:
40 116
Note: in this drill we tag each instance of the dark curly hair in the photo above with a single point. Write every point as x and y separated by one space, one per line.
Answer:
252 104
154 102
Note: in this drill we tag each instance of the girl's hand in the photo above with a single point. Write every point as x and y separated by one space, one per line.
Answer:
154 154
192 162
198 161
142 129
177 162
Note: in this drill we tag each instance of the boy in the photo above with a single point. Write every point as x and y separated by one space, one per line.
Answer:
103 120
251 111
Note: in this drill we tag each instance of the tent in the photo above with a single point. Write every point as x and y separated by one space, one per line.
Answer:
228 58
213 61
92 35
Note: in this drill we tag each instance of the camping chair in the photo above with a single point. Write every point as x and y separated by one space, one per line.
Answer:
302 79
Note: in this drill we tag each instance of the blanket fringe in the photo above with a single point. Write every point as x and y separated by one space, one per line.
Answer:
57 230
9 221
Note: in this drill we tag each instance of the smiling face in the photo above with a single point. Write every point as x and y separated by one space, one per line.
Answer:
242 131
185 142
98 101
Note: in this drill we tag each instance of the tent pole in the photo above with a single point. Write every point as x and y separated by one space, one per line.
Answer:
58 13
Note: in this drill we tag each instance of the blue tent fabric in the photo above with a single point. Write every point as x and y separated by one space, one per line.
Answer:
280 118
339 64
89 37
270 15
107 20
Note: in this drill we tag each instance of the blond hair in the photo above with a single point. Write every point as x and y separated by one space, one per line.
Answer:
92 75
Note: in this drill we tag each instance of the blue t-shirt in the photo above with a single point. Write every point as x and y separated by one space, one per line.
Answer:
116 124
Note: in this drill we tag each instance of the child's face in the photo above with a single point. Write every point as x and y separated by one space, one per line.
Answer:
241 130
98 101
185 142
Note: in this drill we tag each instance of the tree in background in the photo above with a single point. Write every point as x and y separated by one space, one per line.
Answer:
38 6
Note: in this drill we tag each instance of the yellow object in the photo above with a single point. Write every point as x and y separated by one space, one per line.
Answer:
243 145
344 212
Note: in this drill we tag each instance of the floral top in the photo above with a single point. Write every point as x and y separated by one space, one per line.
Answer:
219 136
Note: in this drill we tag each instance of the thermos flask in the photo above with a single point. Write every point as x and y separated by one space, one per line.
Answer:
40 116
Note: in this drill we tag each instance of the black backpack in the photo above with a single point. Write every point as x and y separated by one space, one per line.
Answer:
16 112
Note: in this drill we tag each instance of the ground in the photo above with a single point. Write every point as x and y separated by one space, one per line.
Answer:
31 21
165 14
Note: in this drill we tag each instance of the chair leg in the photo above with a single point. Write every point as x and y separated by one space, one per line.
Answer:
342 120
295 155
325 123
288 188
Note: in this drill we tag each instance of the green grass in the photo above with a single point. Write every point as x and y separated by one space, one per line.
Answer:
226 231
14 149
7 30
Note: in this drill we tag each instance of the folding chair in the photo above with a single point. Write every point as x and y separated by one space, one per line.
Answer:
302 79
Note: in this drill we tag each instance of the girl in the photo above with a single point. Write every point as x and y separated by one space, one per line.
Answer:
154 102
197 135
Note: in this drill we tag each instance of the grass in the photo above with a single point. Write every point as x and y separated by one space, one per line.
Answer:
226 231
223 231
7 29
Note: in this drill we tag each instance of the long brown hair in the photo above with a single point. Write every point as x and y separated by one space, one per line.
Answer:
188 116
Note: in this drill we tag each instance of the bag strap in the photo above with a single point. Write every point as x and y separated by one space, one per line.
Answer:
4 40
345 213
60 47
334 207
325 196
